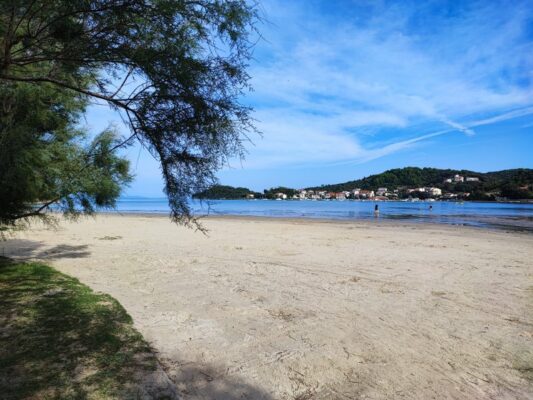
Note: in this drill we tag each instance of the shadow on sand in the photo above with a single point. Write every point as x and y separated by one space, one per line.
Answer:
58 339
206 381
24 249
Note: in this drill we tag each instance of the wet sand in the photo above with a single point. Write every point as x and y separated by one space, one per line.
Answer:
301 309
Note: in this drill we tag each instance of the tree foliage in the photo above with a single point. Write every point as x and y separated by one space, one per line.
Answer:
174 69
45 159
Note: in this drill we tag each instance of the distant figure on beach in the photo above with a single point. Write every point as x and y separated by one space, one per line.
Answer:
376 211
430 207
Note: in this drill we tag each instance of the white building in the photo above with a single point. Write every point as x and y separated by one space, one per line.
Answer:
381 191
340 196
458 178
472 179
366 194
435 191
449 180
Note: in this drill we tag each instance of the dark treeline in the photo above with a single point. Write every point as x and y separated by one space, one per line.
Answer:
224 192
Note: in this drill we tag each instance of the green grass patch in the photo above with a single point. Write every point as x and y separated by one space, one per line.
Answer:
61 340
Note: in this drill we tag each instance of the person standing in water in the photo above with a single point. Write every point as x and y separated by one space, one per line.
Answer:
376 211
431 207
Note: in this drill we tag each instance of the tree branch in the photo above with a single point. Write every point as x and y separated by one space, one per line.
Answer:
36 212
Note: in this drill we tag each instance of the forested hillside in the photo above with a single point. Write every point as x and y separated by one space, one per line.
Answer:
511 183
224 192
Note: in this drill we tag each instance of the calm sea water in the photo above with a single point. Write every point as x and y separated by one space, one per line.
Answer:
493 215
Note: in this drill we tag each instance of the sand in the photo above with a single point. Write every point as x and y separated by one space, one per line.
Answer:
288 309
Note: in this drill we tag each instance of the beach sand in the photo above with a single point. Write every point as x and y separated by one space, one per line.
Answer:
301 309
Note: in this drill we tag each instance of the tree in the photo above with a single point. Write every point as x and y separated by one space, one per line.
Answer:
42 160
174 69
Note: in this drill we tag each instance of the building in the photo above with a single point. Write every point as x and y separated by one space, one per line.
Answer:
355 192
340 196
381 191
435 191
449 180
366 194
281 196
458 178
250 196
472 179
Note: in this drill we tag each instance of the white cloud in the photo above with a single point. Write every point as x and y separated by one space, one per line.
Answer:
318 85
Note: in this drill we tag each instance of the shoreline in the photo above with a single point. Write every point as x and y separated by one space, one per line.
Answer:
207 200
522 201
372 221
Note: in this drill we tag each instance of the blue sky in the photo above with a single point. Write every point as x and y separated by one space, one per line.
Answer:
345 89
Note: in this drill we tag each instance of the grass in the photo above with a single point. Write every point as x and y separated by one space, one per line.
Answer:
61 340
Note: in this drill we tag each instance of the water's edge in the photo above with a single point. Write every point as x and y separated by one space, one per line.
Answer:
507 216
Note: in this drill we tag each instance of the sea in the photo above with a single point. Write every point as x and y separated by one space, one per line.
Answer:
508 216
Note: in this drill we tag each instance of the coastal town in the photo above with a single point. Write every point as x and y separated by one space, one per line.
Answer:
429 193
403 184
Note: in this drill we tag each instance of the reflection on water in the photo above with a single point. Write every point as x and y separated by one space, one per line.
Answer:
494 215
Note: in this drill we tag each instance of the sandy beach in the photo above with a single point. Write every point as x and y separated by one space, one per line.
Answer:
301 309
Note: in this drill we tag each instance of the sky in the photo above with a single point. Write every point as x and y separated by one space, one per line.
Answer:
346 89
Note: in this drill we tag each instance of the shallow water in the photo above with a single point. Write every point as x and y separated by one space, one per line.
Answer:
513 216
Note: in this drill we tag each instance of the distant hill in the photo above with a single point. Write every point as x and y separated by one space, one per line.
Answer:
507 183
222 192
510 184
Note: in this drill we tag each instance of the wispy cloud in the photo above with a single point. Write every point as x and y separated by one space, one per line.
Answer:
329 71
502 117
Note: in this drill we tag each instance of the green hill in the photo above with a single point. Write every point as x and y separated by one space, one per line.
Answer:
222 192
509 183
